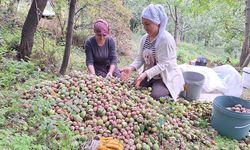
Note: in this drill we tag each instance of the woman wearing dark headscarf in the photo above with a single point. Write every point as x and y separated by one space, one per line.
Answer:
158 55
101 58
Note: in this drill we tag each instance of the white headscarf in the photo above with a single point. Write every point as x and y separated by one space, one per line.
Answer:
157 15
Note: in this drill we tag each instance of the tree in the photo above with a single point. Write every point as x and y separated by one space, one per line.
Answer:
68 37
174 14
29 29
245 48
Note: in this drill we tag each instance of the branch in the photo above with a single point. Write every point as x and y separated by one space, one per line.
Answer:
84 6
175 13
185 28
79 10
171 13
88 26
58 17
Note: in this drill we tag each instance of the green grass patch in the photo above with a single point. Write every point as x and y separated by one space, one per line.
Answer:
9 39
14 73
187 52
226 143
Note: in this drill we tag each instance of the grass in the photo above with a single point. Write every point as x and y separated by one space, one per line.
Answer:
226 143
77 59
15 73
187 52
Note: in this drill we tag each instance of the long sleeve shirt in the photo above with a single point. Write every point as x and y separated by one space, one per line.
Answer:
100 55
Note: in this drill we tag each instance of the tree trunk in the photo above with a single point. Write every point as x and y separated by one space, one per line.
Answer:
176 23
245 47
68 37
207 38
182 37
182 29
247 60
29 29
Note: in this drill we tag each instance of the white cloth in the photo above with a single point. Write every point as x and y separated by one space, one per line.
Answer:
157 15
165 55
221 80
231 79
212 83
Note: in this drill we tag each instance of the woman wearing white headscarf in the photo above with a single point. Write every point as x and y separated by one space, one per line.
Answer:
158 55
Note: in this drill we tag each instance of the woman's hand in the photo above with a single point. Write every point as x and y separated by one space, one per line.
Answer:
111 70
126 72
109 74
138 80
91 69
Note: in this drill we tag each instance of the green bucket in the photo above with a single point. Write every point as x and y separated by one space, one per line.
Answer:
229 123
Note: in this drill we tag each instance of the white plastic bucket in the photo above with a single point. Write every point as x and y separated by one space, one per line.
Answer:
193 85
246 77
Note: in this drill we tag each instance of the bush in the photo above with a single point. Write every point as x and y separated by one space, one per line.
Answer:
46 53
187 52
9 39
79 38
15 71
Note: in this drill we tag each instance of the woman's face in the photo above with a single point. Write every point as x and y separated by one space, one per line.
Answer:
150 27
100 38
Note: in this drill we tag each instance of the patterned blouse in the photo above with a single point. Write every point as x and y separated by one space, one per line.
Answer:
149 55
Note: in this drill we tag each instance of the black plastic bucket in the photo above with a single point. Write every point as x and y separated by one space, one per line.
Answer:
229 123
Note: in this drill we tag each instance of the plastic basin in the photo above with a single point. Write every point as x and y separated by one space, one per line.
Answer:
229 123
246 77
